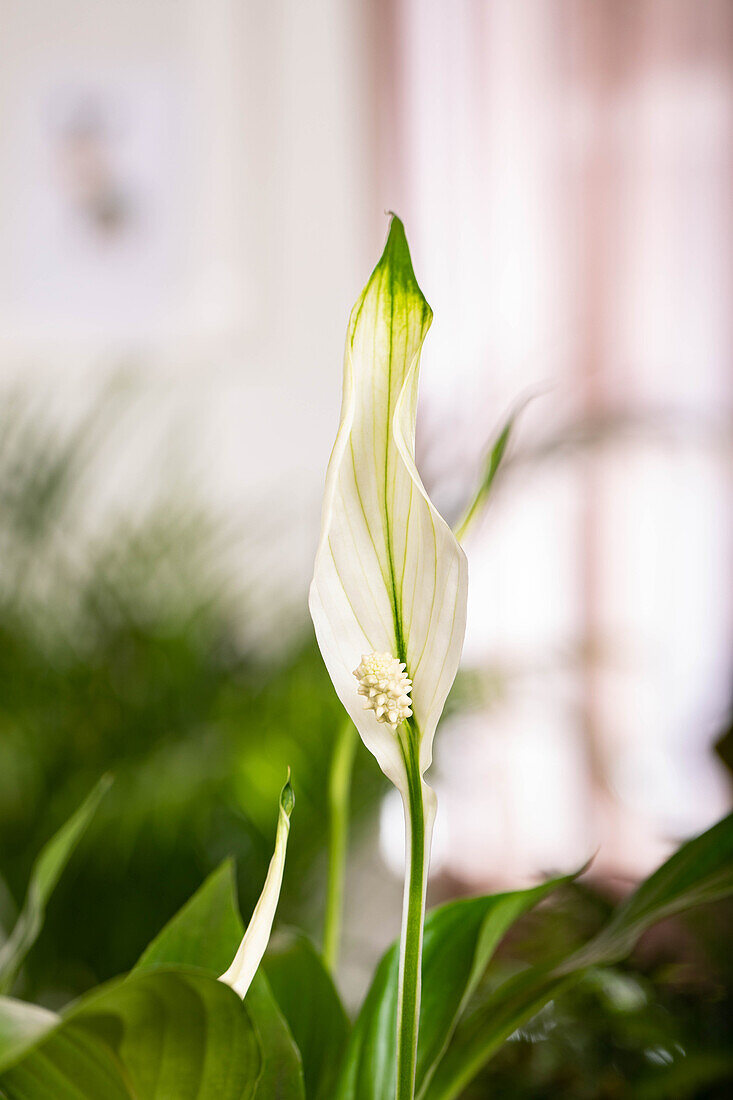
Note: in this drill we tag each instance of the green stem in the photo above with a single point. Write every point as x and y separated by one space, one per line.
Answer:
339 788
413 919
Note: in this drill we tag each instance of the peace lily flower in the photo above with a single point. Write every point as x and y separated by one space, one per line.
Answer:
254 942
390 577
388 597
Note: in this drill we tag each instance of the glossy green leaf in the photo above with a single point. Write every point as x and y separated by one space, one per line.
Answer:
45 874
70 1065
153 1036
21 1025
460 939
308 999
281 1077
701 871
205 932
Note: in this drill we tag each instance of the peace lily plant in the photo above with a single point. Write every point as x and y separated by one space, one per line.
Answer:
213 1012
388 597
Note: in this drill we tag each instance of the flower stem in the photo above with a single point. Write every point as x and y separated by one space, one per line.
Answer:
417 843
339 788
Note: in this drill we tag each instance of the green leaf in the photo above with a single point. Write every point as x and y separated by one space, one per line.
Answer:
308 999
205 932
45 875
153 1036
460 939
701 871
492 464
21 1025
68 1066
282 1067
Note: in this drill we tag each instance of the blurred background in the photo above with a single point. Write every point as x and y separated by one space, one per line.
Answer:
192 194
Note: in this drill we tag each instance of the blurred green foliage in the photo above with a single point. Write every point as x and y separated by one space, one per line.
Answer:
123 648
658 1027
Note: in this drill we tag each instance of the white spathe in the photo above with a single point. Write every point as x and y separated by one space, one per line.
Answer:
390 577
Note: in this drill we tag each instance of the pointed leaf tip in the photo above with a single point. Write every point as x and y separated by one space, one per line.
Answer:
287 797
395 273
396 237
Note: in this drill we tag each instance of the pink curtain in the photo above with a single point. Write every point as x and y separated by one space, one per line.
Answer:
564 171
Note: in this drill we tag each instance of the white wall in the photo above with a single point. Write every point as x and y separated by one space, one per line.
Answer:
243 130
